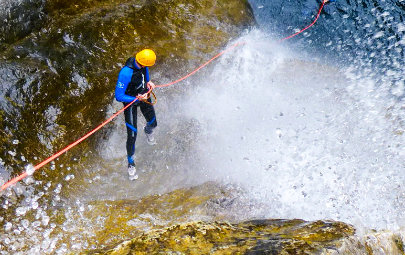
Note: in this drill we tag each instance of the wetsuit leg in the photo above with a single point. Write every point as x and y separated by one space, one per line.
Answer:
130 121
148 112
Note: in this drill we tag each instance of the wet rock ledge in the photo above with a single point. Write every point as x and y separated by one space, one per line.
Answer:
250 237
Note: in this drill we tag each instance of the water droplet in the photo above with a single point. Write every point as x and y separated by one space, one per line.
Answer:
25 223
21 211
12 153
35 205
58 188
36 224
8 226
30 169
69 177
29 180
45 220
278 132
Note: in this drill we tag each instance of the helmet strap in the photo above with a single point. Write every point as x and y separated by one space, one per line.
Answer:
138 64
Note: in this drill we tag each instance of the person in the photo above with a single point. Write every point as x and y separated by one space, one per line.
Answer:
134 83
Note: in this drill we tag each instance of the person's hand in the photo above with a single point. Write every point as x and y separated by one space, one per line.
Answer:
151 85
143 96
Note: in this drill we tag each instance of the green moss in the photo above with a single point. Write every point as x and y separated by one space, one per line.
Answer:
113 221
1 115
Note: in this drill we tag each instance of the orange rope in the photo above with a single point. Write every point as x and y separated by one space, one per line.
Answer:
206 63
310 25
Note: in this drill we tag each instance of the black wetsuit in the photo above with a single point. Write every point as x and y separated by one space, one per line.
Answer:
132 81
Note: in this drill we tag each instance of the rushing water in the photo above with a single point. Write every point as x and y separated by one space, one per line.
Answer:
311 141
340 142
311 129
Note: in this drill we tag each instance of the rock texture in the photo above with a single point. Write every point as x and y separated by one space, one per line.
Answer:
251 237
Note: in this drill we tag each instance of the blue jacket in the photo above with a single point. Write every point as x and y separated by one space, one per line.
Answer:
131 82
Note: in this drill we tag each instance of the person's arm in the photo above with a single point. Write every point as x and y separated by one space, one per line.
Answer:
124 78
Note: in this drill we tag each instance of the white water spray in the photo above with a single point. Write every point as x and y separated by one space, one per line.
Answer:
308 140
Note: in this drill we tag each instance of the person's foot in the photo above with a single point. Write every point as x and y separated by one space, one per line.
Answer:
133 177
132 172
150 138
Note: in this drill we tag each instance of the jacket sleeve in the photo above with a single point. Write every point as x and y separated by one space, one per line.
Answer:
124 78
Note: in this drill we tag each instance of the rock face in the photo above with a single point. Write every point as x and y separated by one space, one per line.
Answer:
204 220
58 72
197 220
156 225
251 237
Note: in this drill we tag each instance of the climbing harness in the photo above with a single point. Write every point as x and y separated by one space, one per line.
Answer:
146 99
148 61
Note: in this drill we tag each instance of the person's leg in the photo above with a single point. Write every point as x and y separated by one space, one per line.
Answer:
131 123
148 112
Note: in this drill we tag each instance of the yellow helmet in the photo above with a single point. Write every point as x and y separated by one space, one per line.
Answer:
146 57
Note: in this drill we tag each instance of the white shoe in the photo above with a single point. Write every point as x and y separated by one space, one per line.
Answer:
133 177
150 139
131 171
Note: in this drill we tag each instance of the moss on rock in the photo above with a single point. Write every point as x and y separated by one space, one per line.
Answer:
104 224
253 237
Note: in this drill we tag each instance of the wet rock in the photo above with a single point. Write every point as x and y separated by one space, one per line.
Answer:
104 224
381 242
184 222
251 237
18 19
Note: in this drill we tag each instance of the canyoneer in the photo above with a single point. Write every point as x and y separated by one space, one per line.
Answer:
134 82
